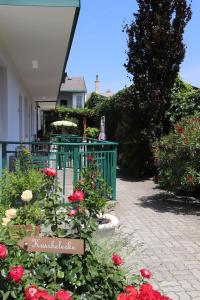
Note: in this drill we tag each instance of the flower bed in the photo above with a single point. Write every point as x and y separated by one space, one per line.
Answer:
59 276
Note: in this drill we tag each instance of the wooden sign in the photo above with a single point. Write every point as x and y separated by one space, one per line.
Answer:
52 245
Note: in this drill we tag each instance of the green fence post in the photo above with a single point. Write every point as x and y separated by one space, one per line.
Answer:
4 156
75 164
114 172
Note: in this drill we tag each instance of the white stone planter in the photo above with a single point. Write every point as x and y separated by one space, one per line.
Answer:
113 222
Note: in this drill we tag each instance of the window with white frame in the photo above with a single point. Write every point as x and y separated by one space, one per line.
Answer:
79 101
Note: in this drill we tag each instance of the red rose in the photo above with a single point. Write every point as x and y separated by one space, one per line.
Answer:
76 196
3 251
30 293
42 295
16 273
72 198
79 195
145 273
72 213
117 260
122 296
50 297
63 295
131 290
51 172
90 158
147 292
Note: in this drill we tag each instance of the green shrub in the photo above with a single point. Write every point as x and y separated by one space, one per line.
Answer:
12 184
177 157
92 132
184 101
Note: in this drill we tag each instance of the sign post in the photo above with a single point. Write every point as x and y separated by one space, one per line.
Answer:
52 245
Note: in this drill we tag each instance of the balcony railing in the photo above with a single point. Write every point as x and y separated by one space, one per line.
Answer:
68 154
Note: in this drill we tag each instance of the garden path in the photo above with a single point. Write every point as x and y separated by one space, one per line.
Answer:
169 229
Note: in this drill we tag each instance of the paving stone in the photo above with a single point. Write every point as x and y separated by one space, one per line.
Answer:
168 233
184 296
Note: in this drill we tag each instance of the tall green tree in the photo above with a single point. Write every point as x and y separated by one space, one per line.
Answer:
155 52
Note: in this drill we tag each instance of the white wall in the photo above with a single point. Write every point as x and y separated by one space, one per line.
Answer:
13 89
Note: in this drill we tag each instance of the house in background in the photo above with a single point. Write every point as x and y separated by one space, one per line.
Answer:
72 95
73 92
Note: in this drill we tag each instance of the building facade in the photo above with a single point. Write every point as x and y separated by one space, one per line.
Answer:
73 92
35 41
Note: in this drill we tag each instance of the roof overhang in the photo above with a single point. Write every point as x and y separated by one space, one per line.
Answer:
37 36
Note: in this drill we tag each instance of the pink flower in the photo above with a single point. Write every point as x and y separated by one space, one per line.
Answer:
145 273
63 295
90 158
16 273
76 196
51 172
3 251
79 195
72 213
30 292
117 260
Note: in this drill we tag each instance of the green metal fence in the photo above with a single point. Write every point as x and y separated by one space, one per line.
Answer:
68 155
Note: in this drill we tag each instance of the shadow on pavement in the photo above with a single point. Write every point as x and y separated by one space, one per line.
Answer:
166 202
123 175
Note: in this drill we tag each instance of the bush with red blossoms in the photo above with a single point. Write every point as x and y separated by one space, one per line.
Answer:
47 276
34 293
177 158
145 292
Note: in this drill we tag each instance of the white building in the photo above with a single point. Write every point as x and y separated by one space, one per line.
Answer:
73 92
35 41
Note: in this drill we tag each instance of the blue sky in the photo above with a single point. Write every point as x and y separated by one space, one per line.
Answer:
99 44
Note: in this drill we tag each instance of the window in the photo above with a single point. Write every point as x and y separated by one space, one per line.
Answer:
64 102
79 101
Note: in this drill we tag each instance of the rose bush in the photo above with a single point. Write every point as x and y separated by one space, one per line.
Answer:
40 276
177 157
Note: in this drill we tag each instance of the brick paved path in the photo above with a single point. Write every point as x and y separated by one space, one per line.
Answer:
169 228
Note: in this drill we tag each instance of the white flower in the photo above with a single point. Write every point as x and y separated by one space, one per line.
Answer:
11 213
61 210
27 196
5 221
